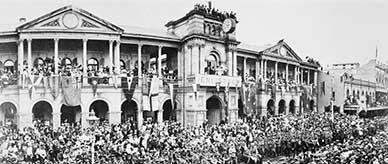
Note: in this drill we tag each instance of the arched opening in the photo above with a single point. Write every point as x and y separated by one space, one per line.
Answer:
270 107
122 65
292 106
129 112
39 63
66 63
211 64
282 107
7 114
43 112
214 108
169 113
71 115
100 109
311 105
93 64
241 113
9 66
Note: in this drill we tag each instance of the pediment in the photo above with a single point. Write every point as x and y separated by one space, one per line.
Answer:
281 49
70 19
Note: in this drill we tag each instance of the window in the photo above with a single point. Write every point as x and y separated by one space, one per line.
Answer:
66 62
122 64
9 66
212 64
92 64
39 63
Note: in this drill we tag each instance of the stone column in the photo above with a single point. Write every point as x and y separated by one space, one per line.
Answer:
234 63
308 77
257 70
286 72
202 58
160 61
301 75
56 60
84 116
276 72
117 57
262 67
315 78
265 69
139 73
245 69
295 74
84 55
230 62
56 120
114 117
111 56
21 55
160 116
29 55
194 59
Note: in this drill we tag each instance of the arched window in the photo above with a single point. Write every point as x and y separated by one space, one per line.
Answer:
212 63
9 66
66 62
92 64
122 64
39 63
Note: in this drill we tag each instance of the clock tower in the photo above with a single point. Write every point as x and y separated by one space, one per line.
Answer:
208 61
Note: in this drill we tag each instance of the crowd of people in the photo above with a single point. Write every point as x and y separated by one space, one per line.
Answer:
300 139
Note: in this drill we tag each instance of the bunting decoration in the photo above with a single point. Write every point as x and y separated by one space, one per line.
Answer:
128 86
31 88
53 86
171 86
71 91
153 93
94 83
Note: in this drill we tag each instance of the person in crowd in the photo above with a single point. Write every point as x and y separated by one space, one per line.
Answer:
301 139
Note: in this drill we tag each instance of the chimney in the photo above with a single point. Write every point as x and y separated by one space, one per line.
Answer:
22 20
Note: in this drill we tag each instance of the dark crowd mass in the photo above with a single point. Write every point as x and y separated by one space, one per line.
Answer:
307 138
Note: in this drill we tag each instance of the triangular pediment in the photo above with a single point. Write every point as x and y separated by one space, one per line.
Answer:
281 49
70 18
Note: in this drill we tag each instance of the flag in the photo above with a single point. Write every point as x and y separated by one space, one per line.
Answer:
154 87
94 85
53 86
71 93
31 88
171 86
146 103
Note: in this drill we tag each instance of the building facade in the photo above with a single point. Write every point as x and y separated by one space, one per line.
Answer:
354 87
69 64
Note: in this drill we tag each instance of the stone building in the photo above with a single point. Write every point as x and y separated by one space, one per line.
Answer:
69 64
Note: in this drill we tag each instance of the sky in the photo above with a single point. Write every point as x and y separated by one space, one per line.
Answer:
330 31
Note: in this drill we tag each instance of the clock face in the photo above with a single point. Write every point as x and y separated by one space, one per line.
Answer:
283 51
70 20
228 25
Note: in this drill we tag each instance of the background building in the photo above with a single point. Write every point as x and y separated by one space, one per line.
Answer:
354 87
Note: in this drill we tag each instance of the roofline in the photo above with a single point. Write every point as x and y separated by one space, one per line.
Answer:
155 37
63 9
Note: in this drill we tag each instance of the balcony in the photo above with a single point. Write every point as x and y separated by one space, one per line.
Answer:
216 80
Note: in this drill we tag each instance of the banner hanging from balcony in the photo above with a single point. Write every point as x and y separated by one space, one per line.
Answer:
154 87
53 86
128 86
171 86
71 90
